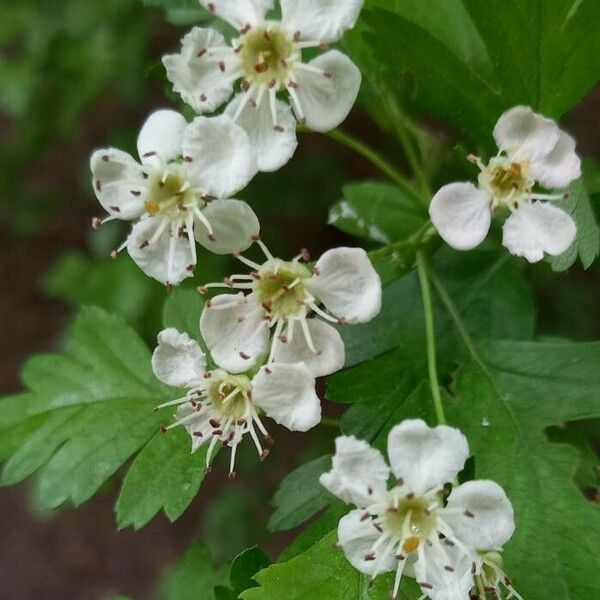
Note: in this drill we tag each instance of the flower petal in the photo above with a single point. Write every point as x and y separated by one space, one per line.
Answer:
273 146
161 137
533 229
326 97
426 457
356 537
560 167
201 71
235 331
462 215
523 134
320 20
480 515
178 360
221 159
200 429
347 284
240 13
359 473
119 183
287 395
234 227
328 343
153 258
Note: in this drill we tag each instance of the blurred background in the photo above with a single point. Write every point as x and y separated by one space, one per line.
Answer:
78 75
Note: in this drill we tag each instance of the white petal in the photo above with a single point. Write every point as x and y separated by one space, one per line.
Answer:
273 146
320 20
480 515
161 136
178 360
533 229
426 457
328 343
287 395
202 71
356 538
523 134
560 167
326 98
347 284
446 570
234 227
220 155
359 473
119 183
240 13
153 258
199 425
235 331
462 215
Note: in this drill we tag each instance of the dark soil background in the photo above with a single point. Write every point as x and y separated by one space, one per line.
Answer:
78 554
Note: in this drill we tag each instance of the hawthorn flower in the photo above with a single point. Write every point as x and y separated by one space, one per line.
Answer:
297 303
220 407
179 193
267 59
409 528
532 150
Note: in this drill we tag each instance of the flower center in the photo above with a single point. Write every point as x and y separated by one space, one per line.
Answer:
169 191
507 181
281 288
266 55
411 521
229 394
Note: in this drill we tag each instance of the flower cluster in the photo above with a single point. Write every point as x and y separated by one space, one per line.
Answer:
269 345
532 150
450 544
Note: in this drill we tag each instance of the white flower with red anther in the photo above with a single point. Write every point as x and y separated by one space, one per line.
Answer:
267 59
533 150
410 529
295 302
220 407
179 193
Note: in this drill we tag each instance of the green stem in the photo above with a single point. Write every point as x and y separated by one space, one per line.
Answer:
327 422
430 337
372 156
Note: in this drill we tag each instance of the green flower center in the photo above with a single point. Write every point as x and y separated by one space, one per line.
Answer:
507 181
266 55
281 288
229 394
168 191
411 521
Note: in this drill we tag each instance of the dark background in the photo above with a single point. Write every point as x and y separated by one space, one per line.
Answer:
77 75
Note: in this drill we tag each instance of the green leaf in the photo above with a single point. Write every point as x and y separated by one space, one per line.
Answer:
194 577
182 311
300 496
87 412
164 476
467 67
244 567
492 296
586 246
378 212
323 572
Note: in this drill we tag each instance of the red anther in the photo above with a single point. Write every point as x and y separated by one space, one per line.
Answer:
201 53
232 476
214 423
163 429
96 223
370 556
98 185
208 470
198 434
241 319
269 440
246 28
469 514
106 158
245 356
279 128
297 36
222 66
264 454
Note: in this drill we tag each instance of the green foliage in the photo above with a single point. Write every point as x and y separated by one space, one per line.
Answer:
300 495
323 572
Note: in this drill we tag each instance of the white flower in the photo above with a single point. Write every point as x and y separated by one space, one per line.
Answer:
283 296
180 193
267 58
409 529
221 407
532 150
